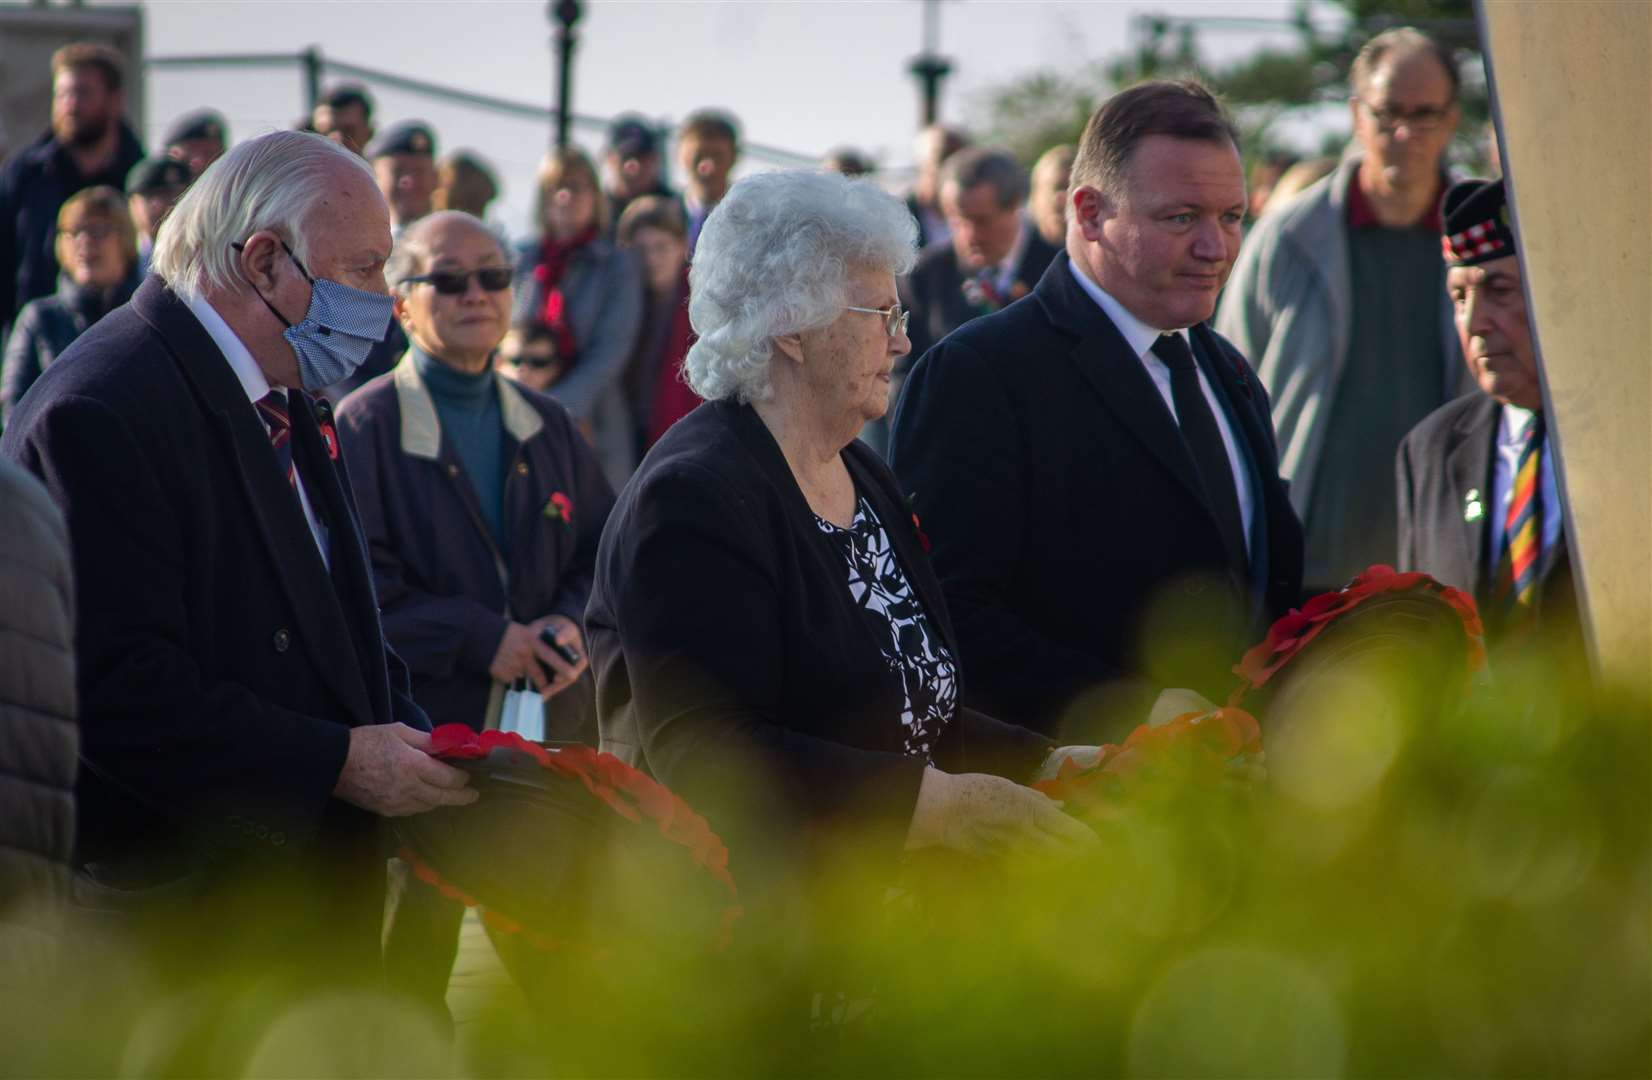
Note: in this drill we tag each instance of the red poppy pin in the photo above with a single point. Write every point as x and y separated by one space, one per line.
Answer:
917 526
330 436
560 508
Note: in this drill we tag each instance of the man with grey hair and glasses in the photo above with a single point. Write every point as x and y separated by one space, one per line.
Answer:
245 729
1339 298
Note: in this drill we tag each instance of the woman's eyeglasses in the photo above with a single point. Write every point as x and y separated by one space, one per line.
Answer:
455 282
895 317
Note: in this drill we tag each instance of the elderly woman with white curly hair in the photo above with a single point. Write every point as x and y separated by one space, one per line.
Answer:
768 636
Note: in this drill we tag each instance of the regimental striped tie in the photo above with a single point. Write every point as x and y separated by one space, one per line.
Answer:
273 408
1523 527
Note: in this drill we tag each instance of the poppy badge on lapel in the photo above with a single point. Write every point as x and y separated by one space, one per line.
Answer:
329 435
560 508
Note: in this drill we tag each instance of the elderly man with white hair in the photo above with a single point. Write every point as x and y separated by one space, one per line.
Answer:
768 636
245 727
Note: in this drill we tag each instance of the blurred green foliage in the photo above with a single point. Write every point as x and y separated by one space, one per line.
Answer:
1266 91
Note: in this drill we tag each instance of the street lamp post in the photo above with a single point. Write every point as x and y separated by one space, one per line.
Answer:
565 13
929 66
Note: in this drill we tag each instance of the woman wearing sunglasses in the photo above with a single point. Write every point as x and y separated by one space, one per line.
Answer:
482 506
573 280
768 636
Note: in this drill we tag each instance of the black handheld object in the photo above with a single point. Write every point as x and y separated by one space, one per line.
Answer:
548 636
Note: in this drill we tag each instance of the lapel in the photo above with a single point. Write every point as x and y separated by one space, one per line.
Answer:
1236 395
1106 363
273 507
525 492
1468 462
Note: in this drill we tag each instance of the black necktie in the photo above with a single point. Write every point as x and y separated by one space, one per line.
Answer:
1204 442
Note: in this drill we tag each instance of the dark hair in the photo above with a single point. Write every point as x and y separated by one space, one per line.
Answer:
84 54
976 165
349 94
711 124
651 212
1401 39
1183 109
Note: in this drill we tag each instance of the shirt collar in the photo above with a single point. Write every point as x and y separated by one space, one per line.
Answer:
1361 215
240 359
1137 334
1513 429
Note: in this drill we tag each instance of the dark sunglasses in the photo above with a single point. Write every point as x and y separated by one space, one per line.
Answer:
455 282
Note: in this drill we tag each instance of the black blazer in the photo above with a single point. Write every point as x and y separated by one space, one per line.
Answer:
1067 519
732 664
221 666
934 290
1450 454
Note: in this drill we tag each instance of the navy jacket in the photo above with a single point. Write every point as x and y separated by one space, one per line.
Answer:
221 664
733 665
47 326
34 183
1070 530
446 588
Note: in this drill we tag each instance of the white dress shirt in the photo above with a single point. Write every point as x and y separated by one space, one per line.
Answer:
252 380
1141 338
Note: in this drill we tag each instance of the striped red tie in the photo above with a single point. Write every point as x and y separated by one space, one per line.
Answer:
273 408
1523 527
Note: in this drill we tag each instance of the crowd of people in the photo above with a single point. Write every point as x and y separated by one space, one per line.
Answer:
889 504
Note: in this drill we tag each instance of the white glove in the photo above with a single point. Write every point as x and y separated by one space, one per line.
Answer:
1176 702
987 815
1085 757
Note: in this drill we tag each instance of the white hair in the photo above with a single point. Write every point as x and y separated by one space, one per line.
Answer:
775 258
272 182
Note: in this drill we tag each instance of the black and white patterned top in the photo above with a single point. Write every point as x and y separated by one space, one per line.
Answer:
910 646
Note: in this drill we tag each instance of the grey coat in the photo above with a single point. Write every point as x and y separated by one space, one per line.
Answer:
603 291
39 740
1289 306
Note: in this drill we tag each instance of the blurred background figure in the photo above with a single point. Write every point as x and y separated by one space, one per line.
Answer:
528 355
98 252
707 148
197 139
404 161
1297 179
588 292
89 144
153 186
1340 302
345 116
654 230
993 255
468 567
934 145
631 165
1265 174
1048 201
848 161
466 183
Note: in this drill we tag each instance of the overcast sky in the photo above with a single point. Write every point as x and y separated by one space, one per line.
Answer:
806 76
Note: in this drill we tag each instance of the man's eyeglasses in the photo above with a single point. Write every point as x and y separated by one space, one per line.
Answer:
1427 118
455 282
895 317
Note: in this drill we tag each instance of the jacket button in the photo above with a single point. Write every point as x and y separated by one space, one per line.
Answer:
452 470
278 838
521 468
262 832
283 639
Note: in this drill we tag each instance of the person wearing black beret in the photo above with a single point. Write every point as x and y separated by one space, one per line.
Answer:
153 185
1480 506
404 160
198 139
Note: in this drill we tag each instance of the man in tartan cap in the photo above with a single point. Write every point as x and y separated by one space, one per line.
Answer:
1479 498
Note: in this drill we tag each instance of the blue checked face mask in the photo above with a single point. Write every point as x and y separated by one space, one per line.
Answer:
340 328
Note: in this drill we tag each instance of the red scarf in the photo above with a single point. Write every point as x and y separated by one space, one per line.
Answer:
672 399
554 257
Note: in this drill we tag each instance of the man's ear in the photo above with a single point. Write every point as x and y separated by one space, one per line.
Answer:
398 309
791 345
257 258
1091 210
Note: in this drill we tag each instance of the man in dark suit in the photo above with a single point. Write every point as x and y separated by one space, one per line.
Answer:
992 257
1094 466
244 728
1479 502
